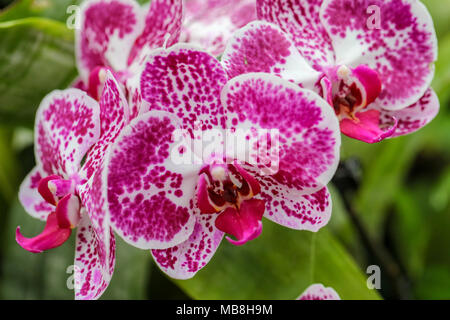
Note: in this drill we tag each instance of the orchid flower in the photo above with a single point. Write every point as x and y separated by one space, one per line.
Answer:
318 292
210 23
377 79
116 34
165 193
70 128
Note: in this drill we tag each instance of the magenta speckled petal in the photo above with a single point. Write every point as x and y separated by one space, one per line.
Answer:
301 212
186 82
108 31
30 198
150 194
300 19
402 50
210 23
163 19
94 261
263 47
308 128
319 292
184 260
67 125
414 117
114 114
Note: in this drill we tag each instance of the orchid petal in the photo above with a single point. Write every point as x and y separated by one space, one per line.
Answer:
114 114
108 31
414 117
186 82
94 261
307 128
301 20
51 237
30 198
263 47
319 292
210 23
150 194
67 125
68 211
301 212
368 127
162 27
402 49
184 260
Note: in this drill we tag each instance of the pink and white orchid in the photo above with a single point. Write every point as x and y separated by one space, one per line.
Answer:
70 128
180 209
116 33
318 292
376 79
210 23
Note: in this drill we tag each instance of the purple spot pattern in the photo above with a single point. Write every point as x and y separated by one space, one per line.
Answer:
300 19
260 48
187 83
414 117
30 198
319 292
402 51
66 127
164 17
210 23
93 271
308 145
101 20
146 201
114 115
184 260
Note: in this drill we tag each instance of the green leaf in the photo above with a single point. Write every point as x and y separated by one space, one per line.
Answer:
51 9
36 57
280 264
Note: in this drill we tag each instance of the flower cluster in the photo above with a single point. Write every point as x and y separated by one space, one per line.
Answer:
137 148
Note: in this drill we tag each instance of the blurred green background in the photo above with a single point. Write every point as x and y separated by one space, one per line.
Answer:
400 194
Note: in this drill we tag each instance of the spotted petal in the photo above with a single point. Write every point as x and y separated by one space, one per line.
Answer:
114 114
187 82
210 23
94 261
150 194
162 26
300 19
319 292
304 124
67 125
401 46
183 261
30 198
414 117
263 47
108 31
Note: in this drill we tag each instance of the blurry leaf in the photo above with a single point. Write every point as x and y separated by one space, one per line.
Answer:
441 82
440 11
435 284
36 57
280 264
411 231
8 166
52 9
